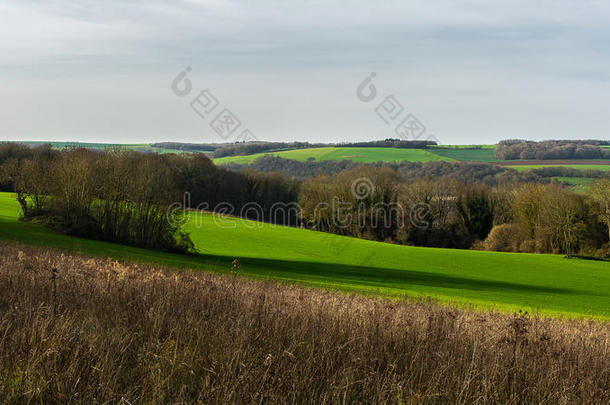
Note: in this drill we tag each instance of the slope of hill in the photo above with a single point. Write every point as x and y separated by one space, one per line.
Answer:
457 152
504 281
365 155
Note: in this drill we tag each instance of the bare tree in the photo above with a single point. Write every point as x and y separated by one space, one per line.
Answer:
600 193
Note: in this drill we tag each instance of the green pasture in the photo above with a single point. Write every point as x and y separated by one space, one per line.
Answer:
574 180
366 155
470 155
462 146
548 284
576 184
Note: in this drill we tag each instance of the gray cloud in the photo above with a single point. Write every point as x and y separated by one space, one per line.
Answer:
473 71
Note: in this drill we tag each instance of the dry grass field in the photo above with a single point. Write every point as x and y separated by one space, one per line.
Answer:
75 329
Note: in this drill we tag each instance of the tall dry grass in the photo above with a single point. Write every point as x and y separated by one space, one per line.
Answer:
99 331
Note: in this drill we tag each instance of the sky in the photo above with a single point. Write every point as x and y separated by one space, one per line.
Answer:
466 72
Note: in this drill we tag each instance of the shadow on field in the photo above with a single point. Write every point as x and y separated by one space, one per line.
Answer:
328 273
373 276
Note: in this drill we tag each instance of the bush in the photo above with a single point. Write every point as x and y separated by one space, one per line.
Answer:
504 238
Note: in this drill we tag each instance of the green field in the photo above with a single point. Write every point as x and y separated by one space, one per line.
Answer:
576 184
460 153
549 284
365 155
574 180
492 147
522 168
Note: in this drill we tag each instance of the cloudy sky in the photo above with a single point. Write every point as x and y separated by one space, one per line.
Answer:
470 71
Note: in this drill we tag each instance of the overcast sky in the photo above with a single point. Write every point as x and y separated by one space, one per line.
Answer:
470 71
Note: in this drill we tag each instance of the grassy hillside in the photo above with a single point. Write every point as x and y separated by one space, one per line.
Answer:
505 281
460 153
365 155
474 146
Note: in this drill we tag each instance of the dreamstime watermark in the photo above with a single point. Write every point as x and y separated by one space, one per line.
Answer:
336 214
362 188
407 126
225 123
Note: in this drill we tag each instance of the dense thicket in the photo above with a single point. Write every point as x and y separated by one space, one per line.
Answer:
10 156
126 196
116 196
445 212
516 149
248 194
564 171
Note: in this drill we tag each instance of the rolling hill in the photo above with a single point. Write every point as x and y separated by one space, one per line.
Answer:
549 284
484 154
447 153
365 155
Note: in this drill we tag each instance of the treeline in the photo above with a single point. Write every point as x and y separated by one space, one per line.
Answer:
189 147
294 168
250 148
467 172
516 149
113 196
564 171
125 196
375 203
389 143
11 151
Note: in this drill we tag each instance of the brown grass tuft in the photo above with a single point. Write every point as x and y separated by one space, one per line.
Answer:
100 331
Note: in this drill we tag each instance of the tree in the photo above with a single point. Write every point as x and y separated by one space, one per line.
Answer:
600 193
561 224
475 205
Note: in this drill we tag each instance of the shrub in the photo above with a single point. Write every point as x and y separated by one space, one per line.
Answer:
504 238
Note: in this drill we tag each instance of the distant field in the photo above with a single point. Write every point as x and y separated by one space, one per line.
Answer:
577 184
141 147
550 284
472 155
365 155
574 180
463 146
